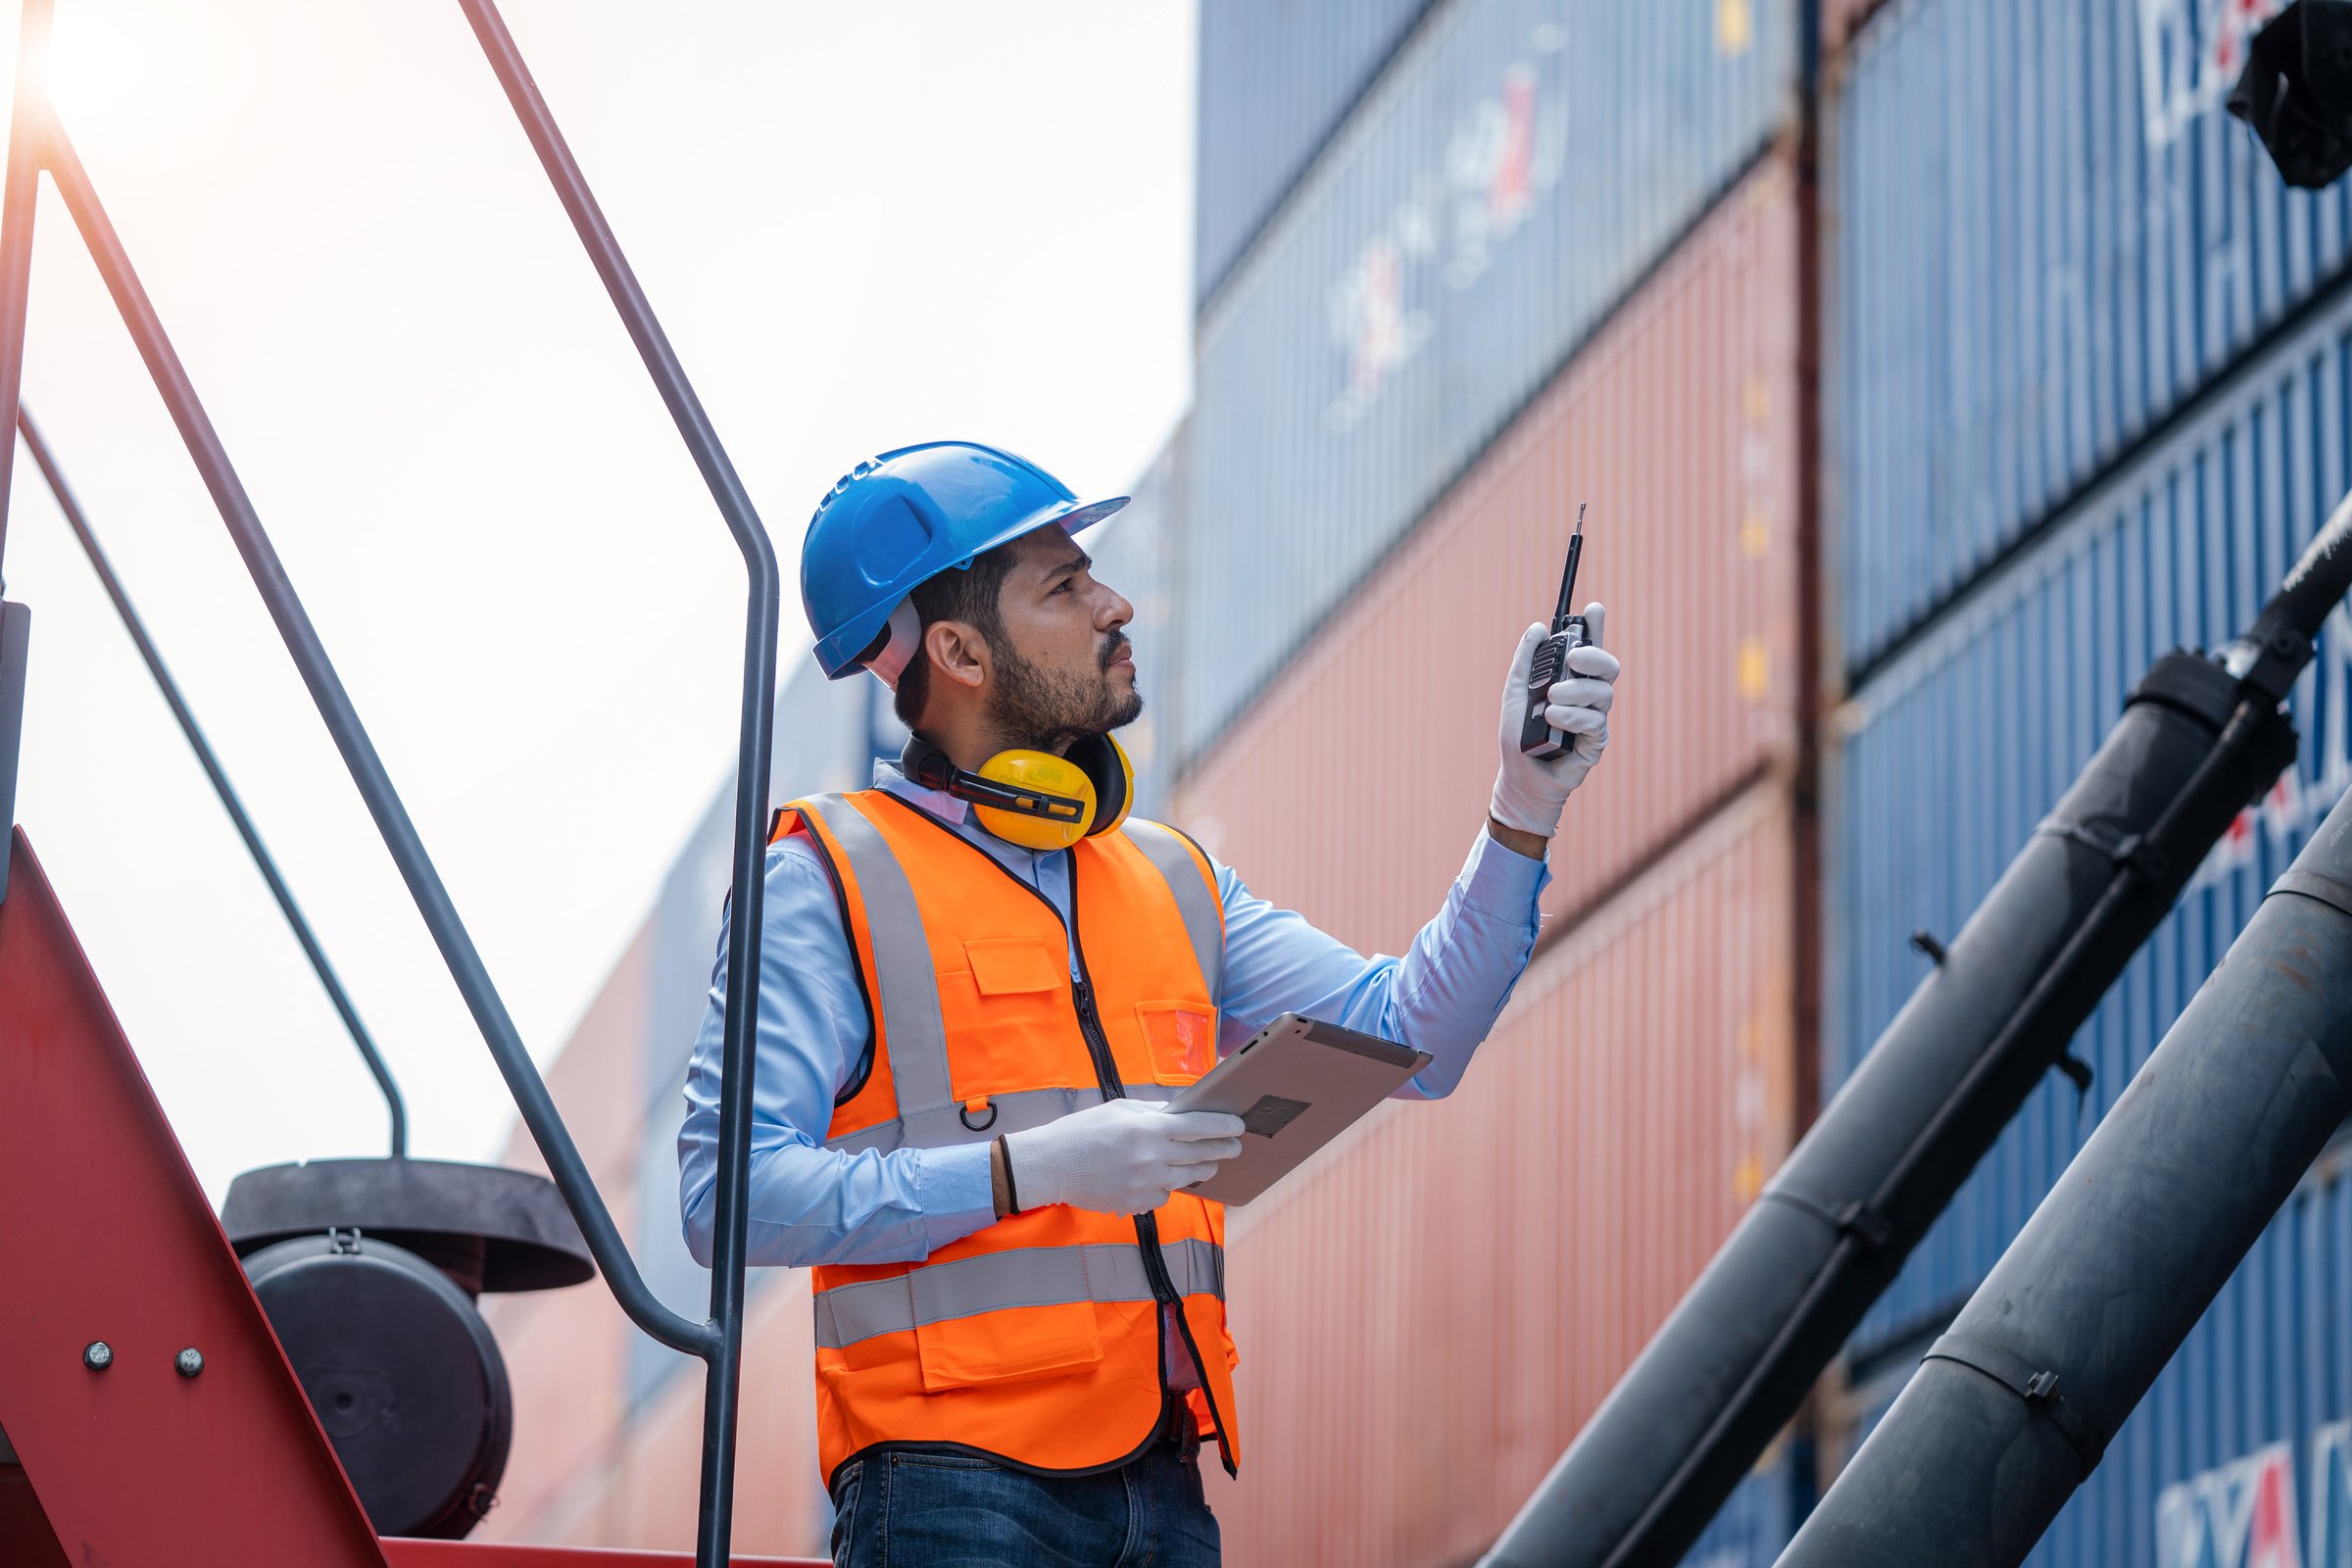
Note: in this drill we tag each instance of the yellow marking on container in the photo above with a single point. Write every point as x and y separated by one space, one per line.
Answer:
1734 28
1755 668
1755 530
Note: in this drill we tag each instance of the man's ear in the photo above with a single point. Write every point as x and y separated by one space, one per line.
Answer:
957 652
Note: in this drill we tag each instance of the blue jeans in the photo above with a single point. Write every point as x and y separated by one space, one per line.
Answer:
953 1510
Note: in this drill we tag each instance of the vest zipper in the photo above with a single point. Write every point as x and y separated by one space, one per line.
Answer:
1146 1226
1107 1075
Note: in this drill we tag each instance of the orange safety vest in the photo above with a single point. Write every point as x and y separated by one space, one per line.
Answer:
1036 1340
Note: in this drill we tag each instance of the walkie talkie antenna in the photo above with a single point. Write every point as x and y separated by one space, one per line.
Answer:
1576 548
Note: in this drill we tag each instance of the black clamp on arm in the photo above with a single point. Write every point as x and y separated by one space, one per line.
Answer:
2039 1388
1867 1225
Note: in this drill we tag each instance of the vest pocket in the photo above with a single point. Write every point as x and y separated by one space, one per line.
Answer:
1011 966
1008 1345
1182 1037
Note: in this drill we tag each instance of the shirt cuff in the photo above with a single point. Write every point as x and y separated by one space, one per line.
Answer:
1499 880
952 1185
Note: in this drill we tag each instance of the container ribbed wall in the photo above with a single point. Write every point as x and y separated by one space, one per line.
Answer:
2044 248
1351 791
1133 553
1518 171
1276 78
1956 752
1430 1308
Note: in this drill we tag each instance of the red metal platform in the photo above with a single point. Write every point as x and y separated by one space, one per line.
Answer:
105 1235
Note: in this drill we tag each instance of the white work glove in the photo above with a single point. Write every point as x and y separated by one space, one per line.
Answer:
1123 1156
1531 792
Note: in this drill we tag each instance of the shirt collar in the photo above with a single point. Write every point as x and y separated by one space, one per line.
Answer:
947 807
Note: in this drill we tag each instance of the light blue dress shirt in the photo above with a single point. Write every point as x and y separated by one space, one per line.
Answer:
811 1204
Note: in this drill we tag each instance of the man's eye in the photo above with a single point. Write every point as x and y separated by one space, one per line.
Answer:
1063 586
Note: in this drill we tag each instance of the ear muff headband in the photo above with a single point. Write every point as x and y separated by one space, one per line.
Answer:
1034 799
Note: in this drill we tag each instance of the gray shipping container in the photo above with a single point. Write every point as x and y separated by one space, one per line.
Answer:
1276 78
1134 554
1517 170
825 739
2049 238
1956 751
2241 1454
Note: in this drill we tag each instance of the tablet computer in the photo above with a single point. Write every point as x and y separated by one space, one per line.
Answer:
1294 1084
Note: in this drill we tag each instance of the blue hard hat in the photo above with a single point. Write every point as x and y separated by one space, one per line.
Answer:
908 515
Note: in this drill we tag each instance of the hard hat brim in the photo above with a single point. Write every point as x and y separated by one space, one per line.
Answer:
838 655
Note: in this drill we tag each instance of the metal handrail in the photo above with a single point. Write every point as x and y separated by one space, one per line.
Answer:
38 142
78 520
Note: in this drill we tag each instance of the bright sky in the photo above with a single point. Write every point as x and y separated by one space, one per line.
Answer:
861 225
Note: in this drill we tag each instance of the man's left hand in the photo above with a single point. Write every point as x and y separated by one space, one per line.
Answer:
1530 793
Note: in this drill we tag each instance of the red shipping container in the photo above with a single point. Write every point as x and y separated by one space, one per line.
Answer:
1351 791
566 1350
1429 1310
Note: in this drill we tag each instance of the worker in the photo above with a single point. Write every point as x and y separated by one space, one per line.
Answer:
979 981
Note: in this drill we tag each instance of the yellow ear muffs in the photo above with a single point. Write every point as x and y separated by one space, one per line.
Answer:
1051 800
1106 763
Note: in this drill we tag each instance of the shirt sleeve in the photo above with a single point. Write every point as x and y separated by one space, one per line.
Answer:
808 1204
1441 996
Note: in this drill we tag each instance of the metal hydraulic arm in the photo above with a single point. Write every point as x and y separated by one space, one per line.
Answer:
2012 1408
2198 739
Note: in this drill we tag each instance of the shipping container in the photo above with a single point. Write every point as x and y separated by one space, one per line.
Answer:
1954 753
1431 1307
1133 554
1276 78
2241 1453
1352 789
1842 20
1517 172
579 1369
2049 238
1759 1518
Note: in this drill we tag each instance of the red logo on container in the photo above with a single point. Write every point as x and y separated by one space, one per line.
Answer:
2238 1515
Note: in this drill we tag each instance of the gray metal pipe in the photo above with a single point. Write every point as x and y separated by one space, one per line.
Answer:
2198 739
2011 1409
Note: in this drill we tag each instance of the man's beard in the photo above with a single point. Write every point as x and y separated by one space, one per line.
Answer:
1046 712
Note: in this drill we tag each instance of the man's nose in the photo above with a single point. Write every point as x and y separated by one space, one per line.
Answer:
1115 612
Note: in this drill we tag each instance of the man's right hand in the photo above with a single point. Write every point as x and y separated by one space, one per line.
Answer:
1123 1156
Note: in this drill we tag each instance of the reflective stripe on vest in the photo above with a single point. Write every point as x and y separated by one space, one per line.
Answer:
1204 921
1033 1276
908 997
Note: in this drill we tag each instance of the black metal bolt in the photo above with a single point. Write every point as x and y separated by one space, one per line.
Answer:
189 1362
97 1355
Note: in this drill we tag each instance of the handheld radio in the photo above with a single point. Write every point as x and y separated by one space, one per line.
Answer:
1537 737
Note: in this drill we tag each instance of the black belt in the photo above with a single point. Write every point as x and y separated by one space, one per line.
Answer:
1179 1425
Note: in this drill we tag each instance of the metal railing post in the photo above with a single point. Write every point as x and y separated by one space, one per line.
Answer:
27 125
75 519
752 772
367 768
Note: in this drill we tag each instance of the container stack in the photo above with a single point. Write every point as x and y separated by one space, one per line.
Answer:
2088 398
1927 367
1554 255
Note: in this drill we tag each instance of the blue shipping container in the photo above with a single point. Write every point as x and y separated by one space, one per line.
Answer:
2049 237
1276 78
1955 751
1762 1513
2241 1453
1518 170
